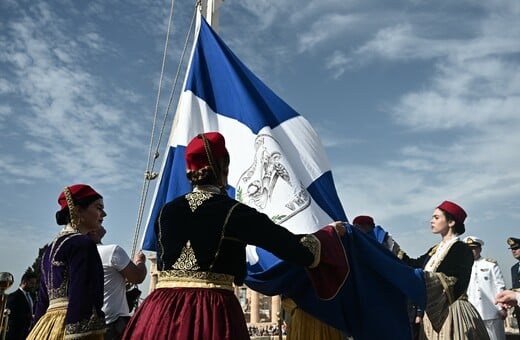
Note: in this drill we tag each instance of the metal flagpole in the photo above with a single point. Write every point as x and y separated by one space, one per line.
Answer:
210 11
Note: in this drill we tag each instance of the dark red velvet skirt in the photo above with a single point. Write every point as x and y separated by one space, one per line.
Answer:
188 314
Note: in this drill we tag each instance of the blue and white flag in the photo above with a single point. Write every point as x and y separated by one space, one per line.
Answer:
279 167
278 164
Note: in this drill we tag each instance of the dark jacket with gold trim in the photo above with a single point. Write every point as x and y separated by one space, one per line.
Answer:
458 263
72 277
218 228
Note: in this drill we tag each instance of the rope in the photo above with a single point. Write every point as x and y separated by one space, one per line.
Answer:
149 174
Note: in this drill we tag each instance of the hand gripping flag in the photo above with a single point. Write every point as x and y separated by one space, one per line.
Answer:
279 167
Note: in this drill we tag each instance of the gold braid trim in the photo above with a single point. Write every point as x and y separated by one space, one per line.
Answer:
289 305
446 287
312 243
211 159
222 236
433 251
59 303
194 279
70 203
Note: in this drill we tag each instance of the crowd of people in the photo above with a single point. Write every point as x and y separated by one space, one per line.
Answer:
202 238
269 330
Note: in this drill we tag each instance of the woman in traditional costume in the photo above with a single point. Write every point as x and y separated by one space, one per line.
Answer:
202 238
71 283
449 264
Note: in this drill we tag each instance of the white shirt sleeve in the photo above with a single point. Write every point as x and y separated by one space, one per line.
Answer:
499 283
119 258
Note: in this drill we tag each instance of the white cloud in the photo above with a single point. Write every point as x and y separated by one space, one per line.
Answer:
328 27
15 171
337 62
6 87
67 124
5 111
472 94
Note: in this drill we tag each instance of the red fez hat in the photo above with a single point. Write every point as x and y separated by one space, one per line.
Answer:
454 210
198 157
78 192
363 220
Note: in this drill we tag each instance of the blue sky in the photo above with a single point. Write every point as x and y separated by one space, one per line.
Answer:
416 102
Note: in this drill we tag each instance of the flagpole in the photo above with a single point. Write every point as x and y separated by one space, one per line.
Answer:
210 10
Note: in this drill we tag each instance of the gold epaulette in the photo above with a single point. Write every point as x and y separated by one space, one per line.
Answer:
491 260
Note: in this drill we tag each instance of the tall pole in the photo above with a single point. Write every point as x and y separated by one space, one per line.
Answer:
210 11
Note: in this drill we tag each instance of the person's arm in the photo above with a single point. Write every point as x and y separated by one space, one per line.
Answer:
135 272
499 285
249 226
415 263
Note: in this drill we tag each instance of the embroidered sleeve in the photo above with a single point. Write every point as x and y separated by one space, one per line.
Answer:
312 243
85 291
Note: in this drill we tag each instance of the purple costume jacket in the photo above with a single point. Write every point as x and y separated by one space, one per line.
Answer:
72 278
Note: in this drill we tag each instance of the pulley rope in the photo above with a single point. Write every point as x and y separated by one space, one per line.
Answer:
149 174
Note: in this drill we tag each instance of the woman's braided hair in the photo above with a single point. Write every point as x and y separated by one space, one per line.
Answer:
209 174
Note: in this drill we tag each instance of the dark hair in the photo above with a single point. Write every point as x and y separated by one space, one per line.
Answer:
459 227
202 176
206 175
28 275
63 216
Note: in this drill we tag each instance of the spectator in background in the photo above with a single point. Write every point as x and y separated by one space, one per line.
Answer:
21 306
368 226
118 271
485 284
514 245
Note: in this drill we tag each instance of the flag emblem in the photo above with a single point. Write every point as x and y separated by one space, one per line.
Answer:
270 185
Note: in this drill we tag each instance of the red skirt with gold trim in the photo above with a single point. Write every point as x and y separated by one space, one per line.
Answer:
188 314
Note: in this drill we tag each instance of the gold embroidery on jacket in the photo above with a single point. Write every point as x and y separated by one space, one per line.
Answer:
195 199
312 243
94 325
187 259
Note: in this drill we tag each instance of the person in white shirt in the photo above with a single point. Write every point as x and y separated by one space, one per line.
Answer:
486 283
118 271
